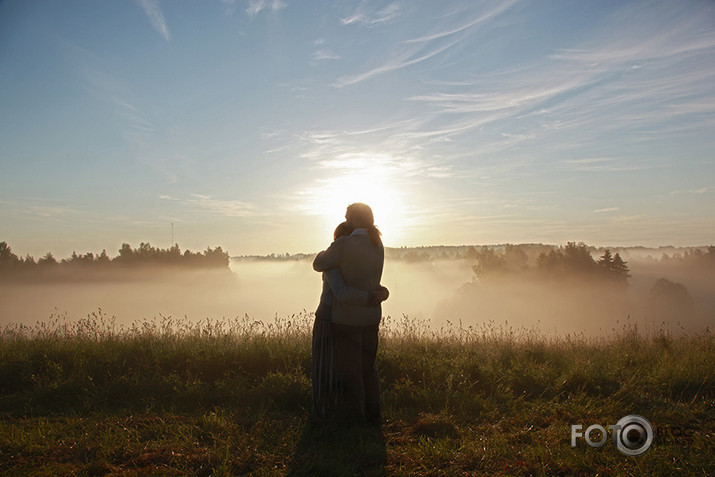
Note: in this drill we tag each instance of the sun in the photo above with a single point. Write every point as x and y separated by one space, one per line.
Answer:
375 186
384 201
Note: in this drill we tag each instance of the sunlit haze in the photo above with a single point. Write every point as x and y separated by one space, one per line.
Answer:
251 125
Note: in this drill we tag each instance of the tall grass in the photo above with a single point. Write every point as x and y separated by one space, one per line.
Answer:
63 365
231 397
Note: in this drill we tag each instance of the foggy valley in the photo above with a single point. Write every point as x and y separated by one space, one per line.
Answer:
435 288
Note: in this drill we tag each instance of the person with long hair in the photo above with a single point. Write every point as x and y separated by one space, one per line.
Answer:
325 385
360 258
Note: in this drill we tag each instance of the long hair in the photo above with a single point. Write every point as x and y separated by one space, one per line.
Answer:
360 215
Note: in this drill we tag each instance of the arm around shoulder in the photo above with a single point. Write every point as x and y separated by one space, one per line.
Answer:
344 293
329 258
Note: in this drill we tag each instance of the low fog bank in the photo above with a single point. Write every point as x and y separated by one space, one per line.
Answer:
261 289
575 308
673 295
438 291
128 295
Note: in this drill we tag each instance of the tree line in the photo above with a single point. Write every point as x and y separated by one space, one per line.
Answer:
694 256
143 256
572 261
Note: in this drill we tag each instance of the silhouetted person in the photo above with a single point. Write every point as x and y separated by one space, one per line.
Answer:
359 257
326 389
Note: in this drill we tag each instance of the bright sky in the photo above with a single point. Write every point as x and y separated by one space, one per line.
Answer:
252 124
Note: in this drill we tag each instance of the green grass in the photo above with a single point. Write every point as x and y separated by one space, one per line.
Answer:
168 397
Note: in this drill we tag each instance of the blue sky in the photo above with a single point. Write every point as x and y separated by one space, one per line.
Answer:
252 124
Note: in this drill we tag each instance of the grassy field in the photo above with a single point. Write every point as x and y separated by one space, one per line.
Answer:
167 397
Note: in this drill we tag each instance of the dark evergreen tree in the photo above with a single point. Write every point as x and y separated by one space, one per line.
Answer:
47 261
6 255
606 260
620 269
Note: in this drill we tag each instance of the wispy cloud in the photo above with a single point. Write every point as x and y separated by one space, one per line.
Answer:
156 17
140 121
39 208
698 191
257 6
407 57
366 16
515 97
343 168
229 7
485 16
324 55
639 34
206 203
340 151
413 51
651 78
607 209
141 127
605 164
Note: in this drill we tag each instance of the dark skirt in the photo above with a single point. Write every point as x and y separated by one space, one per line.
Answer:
325 386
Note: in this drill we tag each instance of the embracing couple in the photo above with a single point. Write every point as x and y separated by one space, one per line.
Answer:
346 384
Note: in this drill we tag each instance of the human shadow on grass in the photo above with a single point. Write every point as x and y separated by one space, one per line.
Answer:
329 448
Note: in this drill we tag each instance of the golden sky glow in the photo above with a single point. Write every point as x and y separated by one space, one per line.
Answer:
360 177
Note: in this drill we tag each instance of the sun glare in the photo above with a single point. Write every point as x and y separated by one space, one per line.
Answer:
373 185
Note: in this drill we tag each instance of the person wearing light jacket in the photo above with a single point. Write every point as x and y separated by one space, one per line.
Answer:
360 258
325 385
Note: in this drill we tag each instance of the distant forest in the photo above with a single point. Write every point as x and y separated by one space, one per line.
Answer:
539 261
546 261
534 253
143 256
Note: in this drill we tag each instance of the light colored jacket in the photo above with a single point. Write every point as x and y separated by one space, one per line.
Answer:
360 263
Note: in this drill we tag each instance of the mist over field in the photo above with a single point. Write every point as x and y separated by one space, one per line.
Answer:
435 289
260 289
